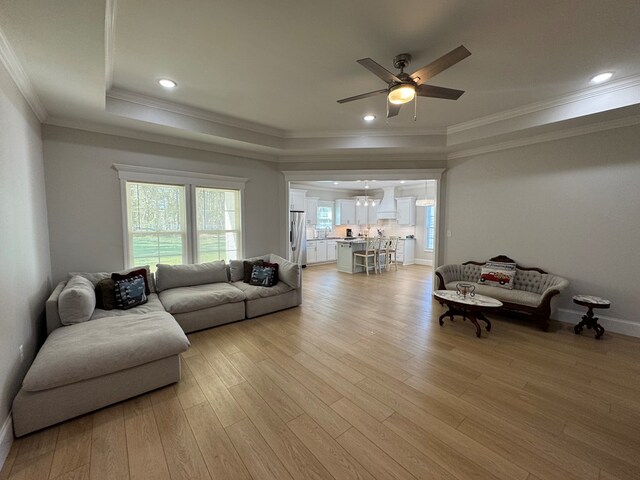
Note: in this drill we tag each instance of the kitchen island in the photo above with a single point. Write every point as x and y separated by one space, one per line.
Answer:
346 249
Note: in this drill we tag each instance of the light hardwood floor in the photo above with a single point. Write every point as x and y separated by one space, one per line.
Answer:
362 383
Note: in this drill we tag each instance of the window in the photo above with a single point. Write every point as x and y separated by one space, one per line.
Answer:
179 217
325 216
157 230
430 227
218 218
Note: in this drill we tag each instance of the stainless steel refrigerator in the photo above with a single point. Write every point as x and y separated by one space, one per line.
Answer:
298 238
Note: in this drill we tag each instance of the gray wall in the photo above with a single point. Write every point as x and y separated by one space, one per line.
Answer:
83 195
571 207
24 240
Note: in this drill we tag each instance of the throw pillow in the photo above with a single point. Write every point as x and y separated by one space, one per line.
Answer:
132 274
276 269
76 301
248 269
130 292
498 274
106 294
262 276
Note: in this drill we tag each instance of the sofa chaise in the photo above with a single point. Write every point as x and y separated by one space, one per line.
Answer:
117 354
532 291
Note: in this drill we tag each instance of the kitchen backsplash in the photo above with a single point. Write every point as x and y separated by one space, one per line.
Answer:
389 229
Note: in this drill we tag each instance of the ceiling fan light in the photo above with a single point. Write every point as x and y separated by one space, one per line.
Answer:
402 93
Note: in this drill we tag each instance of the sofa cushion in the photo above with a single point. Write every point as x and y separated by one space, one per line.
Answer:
130 292
153 305
175 276
95 277
254 292
99 347
77 301
288 272
519 297
198 297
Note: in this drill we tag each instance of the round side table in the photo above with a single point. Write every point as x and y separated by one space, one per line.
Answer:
589 320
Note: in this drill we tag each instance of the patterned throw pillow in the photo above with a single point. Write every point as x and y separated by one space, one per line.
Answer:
134 273
263 276
248 269
275 266
498 274
130 292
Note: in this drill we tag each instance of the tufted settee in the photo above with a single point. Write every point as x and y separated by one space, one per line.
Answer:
532 291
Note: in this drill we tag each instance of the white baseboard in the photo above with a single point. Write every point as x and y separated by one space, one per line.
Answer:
617 325
423 261
6 440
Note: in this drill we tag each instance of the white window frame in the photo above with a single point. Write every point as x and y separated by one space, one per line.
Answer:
426 227
328 204
190 180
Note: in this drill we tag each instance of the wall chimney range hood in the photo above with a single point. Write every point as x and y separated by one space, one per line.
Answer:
387 208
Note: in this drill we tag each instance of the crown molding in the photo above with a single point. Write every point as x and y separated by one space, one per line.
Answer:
173 107
548 137
394 132
360 157
624 83
346 175
109 42
95 127
19 76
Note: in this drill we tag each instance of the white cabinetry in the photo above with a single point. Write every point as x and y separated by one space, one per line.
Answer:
406 210
312 252
406 251
345 212
311 210
321 250
296 200
373 213
367 215
332 254
361 212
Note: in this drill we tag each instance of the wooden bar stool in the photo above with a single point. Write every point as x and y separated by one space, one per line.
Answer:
370 253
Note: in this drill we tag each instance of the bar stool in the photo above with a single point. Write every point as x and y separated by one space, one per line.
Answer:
392 247
382 252
369 253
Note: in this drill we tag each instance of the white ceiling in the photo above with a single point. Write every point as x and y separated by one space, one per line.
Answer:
265 76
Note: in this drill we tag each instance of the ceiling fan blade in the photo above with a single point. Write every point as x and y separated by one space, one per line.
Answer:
378 70
364 95
393 109
439 65
438 92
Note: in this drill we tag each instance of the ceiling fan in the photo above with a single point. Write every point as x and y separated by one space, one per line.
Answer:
402 87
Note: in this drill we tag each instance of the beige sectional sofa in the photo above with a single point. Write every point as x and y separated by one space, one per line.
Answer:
118 354
532 291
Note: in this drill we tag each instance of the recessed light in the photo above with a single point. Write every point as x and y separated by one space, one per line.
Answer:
602 77
336 183
366 186
166 83
369 118
402 181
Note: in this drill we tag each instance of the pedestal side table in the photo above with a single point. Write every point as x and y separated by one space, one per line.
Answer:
589 320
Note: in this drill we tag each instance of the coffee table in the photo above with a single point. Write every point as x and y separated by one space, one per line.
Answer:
471 307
